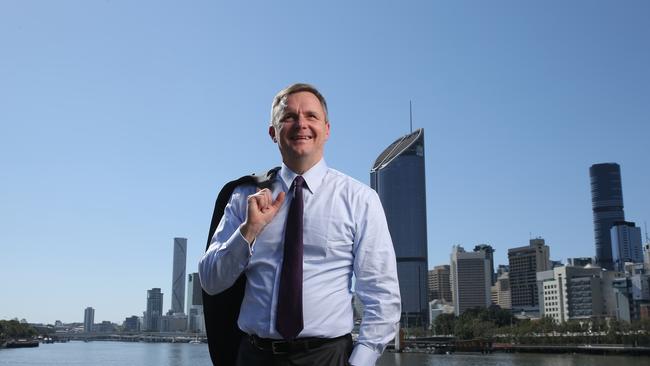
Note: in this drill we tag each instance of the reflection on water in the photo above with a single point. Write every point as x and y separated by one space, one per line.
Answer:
182 354
509 359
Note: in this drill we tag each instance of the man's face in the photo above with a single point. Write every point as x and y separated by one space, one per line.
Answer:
302 131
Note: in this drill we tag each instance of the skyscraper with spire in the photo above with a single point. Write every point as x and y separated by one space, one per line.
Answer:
398 177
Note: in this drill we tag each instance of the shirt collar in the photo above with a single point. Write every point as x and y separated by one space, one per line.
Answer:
313 177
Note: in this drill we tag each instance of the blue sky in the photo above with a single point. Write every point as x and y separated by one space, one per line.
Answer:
120 120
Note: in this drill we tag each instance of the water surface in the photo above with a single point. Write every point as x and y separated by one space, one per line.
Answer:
181 354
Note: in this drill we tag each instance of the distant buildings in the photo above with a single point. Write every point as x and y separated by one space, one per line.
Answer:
178 275
104 327
626 244
489 252
439 284
195 321
638 288
89 319
174 322
525 262
571 293
131 324
398 177
501 292
587 293
437 308
471 279
607 207
580 261
154 313
501 269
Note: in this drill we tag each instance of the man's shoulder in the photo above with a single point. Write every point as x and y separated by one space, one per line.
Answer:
262 178
348 182
245 185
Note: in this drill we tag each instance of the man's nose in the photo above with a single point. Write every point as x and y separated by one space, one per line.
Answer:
301 121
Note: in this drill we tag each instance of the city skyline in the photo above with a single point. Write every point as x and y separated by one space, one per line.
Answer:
121 121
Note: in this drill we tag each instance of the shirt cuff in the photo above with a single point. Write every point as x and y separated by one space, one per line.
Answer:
363 356
241 243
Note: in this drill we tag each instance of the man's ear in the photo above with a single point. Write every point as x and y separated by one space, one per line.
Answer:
272 133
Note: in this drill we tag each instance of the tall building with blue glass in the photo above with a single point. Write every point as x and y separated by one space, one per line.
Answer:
607 206
398 177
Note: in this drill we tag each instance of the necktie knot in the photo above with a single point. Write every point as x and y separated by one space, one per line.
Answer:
298 182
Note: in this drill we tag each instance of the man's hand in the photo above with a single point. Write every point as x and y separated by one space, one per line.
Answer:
261 210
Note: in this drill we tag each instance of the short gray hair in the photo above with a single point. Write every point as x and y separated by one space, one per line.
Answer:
280 100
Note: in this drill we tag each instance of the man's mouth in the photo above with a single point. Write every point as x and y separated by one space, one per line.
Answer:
297 138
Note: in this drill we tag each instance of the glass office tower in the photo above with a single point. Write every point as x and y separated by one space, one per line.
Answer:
398 177
607 206
153 316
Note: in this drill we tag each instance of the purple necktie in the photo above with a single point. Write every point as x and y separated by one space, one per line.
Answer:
289 312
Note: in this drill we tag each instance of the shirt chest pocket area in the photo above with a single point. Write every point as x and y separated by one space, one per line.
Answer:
327 235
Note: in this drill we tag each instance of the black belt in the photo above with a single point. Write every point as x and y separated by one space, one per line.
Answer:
280 347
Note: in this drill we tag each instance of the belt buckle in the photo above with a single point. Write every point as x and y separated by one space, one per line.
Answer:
275 350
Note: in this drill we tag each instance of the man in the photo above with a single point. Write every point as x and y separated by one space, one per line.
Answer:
299 243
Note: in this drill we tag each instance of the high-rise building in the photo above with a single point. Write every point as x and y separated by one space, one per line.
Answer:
194 294
607 206
571 293
194 303
153 317
471 279
439 285
626 244
489 251
178 275
398 177
524 263
89 319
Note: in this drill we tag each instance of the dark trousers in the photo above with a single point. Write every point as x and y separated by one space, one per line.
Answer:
333 353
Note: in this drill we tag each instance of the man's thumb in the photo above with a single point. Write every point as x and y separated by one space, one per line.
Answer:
279 200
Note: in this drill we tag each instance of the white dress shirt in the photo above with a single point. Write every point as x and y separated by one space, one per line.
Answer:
344 232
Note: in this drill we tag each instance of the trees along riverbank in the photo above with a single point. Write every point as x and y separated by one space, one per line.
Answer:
501 326
13 329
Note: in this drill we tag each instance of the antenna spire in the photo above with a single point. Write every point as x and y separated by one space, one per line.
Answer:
411 115
645 225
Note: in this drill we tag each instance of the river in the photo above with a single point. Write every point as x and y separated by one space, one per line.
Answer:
183 354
